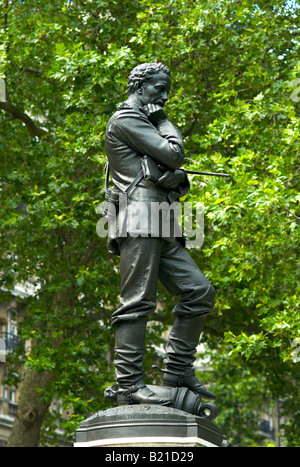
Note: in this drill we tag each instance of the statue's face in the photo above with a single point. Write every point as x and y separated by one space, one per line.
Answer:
156 89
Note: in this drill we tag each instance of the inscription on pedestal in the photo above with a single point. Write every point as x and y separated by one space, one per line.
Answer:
147 425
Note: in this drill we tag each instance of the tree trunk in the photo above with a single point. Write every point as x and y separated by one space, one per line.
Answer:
31 411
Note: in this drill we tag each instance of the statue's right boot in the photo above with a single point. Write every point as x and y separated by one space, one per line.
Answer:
129 357
181 349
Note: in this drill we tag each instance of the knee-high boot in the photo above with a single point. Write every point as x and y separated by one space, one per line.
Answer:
181 349
129 356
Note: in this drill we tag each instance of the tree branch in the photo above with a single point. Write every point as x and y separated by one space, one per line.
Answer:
189 130
8 119
33 129
37 74
5 6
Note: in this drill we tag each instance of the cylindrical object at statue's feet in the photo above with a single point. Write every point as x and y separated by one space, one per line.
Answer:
181 398
186 400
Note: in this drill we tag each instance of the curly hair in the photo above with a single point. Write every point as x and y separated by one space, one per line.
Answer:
142 73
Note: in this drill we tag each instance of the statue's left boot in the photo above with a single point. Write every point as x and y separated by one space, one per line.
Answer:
181 349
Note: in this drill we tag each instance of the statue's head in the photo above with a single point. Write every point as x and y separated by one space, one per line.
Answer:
143 73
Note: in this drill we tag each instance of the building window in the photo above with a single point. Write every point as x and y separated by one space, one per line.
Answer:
9 395
9 337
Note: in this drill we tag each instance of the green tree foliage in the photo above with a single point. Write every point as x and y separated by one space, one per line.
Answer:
235 73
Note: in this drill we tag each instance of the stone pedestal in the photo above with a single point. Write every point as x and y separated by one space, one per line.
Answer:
147 426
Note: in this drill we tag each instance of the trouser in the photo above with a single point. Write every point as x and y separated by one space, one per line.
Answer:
144 261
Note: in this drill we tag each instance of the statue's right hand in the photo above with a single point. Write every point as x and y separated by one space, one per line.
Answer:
155 113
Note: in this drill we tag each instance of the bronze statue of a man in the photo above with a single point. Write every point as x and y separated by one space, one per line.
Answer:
141 128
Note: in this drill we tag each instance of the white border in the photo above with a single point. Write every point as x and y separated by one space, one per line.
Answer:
149 440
